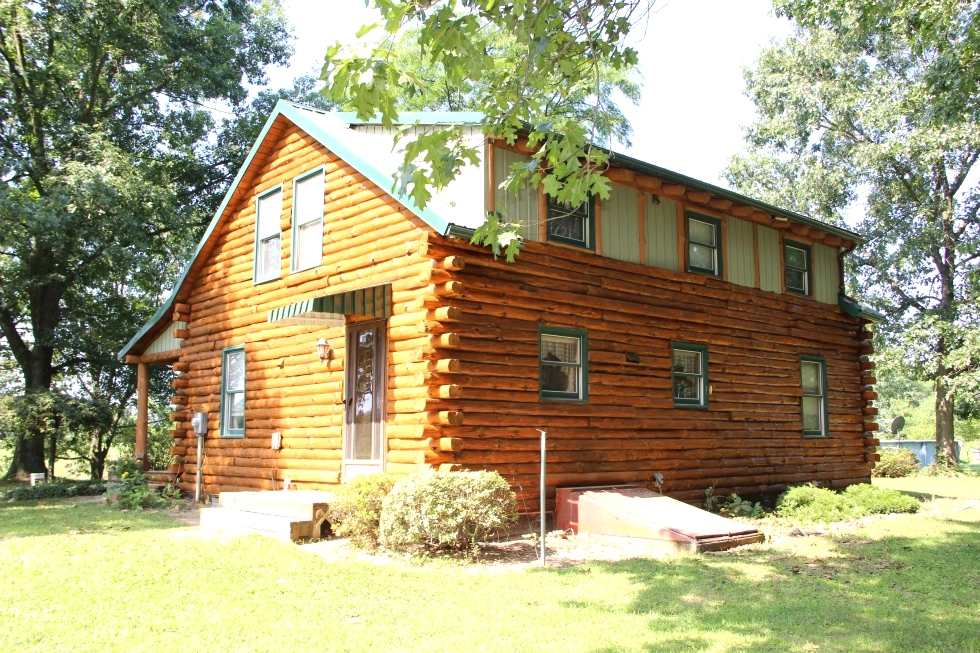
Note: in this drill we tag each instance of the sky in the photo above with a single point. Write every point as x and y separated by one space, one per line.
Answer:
691 55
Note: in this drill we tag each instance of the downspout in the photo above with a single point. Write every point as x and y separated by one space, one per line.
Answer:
841 253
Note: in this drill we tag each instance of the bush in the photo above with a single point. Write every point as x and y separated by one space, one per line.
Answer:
811 503
355 511
895 463
876 500
446 509
55 489
814 504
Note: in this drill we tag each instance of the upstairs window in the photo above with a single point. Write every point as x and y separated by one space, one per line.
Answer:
563 364
813 378
233 392
571 225
268 236
798 267
703 244
689 374
308 221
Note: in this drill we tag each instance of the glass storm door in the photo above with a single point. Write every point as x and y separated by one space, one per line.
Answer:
364 403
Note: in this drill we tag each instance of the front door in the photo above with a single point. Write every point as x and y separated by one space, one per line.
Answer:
364 403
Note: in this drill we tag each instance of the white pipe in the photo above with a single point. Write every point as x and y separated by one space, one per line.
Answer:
544 441
200 453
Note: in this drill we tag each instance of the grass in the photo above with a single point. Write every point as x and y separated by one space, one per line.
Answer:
81 577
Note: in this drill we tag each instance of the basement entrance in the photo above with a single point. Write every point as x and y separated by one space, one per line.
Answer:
634 511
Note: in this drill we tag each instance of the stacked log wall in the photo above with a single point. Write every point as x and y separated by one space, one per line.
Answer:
749 440
369 239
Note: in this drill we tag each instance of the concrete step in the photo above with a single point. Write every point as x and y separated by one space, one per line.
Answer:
234 522
288 516
302 504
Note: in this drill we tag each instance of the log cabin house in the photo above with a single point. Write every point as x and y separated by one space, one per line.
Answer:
330 327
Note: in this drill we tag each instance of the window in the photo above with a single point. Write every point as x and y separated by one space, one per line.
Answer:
798 270
308 221
813 377
689 374
703 244
268 237
571 225
233 392
564 364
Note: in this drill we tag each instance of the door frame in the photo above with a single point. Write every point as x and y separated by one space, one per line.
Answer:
381 391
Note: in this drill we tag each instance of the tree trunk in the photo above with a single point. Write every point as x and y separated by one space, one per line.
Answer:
945 444
28 458
52 452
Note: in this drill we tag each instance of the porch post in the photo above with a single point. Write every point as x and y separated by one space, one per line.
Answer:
142 412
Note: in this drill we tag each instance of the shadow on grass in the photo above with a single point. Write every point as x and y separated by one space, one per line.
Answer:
63 516
892 594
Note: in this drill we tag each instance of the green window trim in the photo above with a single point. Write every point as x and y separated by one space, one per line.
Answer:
824 410
807 268
294 248
677 376
552 224
718 264
581 368
256 251
226 430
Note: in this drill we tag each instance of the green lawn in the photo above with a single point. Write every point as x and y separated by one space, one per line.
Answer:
81 577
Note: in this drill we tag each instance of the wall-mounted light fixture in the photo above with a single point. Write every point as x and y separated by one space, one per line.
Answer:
632 357
655 199
323 350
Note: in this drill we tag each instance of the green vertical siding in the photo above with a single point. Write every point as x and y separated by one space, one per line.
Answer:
826 274
522 207
770 268
166 340
621 224
661 233
741 253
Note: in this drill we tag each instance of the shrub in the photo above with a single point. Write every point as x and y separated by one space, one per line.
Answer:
880 501
810 503
446 509
736 506
54 490
895 463
355 511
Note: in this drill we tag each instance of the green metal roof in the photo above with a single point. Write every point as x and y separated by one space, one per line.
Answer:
329 310
855 308
418 118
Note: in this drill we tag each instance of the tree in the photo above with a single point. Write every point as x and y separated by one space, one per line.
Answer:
102 126
551 76
880 99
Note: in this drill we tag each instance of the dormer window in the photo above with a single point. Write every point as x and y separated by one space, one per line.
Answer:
798 267
571 225
703 244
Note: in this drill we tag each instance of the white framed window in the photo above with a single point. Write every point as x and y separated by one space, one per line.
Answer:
572 225
703 244
307 221
268 236
797 256
564 373
813 378
233 392
689 374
